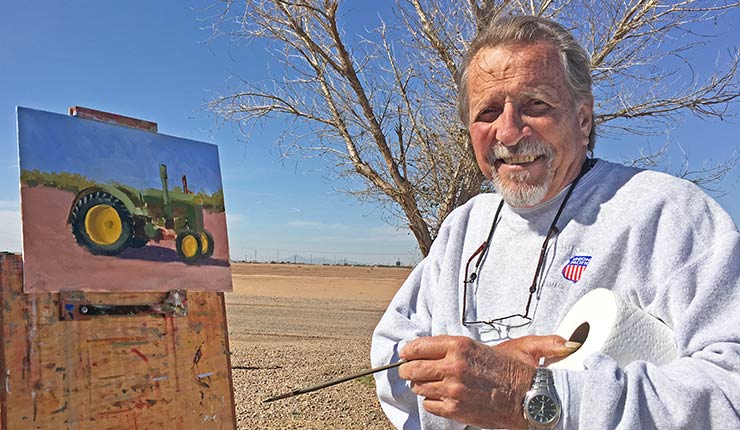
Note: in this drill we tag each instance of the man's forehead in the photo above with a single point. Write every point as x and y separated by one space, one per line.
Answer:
536 63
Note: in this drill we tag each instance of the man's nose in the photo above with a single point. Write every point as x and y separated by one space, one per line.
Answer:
510 127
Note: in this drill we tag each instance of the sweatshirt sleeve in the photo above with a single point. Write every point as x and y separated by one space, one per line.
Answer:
408 316
698 390
403 320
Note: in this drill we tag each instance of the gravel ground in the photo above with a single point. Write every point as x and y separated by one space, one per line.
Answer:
281 344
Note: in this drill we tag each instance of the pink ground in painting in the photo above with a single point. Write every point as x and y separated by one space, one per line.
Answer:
52 260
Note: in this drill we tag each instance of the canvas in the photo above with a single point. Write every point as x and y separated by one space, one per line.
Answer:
112 208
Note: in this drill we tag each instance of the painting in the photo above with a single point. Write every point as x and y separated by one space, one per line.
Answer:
112 208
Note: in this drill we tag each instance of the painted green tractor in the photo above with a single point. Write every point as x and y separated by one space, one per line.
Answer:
109 219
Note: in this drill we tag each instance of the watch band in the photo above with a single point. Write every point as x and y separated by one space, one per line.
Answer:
543 379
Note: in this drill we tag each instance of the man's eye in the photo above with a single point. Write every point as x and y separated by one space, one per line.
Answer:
537 107
488 115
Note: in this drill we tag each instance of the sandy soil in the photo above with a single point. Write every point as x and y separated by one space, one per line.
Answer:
54 262
292 326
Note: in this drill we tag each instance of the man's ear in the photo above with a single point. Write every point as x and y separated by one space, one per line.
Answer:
585 117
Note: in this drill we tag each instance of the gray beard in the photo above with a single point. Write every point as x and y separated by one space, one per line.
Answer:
516 190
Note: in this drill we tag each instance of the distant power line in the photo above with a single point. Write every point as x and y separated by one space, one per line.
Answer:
310 251
306 256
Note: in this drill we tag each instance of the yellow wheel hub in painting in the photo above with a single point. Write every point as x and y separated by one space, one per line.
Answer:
103 224
189 246
204 243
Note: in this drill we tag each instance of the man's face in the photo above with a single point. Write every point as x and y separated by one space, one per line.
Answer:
518 97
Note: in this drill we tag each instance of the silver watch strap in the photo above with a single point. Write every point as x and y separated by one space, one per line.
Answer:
543 378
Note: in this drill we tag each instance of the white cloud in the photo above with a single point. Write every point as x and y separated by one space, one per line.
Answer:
235 217
388 233
247 193
301 224
10 230
338 234
317 225
10 205
10 164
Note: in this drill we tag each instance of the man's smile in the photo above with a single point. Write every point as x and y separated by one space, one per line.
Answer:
519 159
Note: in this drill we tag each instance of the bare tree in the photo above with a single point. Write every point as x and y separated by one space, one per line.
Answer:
380 103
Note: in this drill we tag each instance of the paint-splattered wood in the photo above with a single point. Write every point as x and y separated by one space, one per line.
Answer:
112 372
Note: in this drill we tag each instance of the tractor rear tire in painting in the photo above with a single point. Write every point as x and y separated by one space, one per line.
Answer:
101 223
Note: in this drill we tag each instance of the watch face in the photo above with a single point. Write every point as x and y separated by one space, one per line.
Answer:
542 409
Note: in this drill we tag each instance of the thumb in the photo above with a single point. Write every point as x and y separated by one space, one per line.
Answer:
531 348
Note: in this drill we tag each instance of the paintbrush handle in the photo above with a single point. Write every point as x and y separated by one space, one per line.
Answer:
335 381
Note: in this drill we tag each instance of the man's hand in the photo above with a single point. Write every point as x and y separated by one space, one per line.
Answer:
473 383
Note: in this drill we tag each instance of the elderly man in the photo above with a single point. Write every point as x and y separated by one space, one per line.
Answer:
475 318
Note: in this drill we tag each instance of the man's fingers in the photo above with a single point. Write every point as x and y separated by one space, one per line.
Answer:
421 371
433 347
438 400
434 390
424 348
436 407
529 349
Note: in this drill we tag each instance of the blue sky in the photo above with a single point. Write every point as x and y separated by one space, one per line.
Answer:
148 59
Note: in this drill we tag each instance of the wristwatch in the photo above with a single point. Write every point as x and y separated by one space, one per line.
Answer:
541 403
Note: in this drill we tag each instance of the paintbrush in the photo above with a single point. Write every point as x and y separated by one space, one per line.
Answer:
334 381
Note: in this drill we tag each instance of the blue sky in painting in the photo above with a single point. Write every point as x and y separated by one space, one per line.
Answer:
108 153
153 60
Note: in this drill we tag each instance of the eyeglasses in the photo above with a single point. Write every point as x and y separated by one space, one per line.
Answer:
518 319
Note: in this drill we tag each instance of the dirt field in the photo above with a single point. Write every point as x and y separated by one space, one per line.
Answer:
292 326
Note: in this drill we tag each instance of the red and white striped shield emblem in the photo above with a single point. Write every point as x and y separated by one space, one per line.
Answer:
575 267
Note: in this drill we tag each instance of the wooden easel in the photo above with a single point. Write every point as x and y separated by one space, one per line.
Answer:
136 371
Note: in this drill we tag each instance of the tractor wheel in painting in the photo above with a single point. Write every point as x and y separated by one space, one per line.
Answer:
188 246
206 242
101 223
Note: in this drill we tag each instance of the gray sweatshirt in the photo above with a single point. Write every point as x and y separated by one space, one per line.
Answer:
653 239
